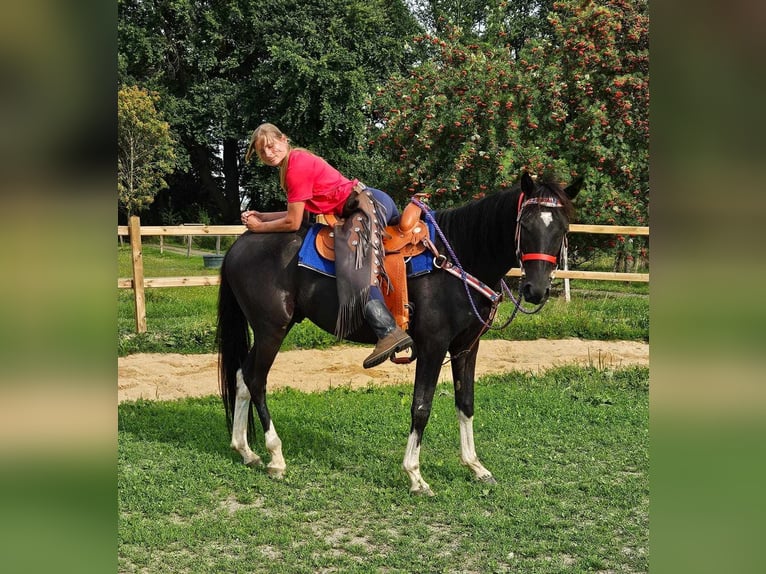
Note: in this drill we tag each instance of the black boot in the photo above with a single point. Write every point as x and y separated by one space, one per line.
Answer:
391 339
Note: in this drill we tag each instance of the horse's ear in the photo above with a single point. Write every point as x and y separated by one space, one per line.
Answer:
527 184
574 188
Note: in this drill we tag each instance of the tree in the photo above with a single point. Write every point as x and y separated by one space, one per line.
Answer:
324 60
198 55
224 66
439 16
514 21
593 112
451 126
572 100
145 149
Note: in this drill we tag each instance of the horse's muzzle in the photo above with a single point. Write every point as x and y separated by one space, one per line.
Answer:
535 293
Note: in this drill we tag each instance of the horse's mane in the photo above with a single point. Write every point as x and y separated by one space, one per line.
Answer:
488 223
480 222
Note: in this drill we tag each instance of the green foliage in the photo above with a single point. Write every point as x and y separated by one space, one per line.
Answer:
437 16
323 61
571 100
569 448
144 148
323 57
491 90
224 67
199 56
514 20
594 109
452 124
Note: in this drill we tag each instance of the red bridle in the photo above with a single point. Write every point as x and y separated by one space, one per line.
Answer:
545 202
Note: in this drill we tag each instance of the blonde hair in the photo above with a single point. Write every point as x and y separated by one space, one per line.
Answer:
267 133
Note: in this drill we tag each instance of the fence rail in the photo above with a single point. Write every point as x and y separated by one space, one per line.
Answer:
213 230
138 282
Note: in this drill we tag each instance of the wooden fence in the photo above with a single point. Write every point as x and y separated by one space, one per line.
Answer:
139 283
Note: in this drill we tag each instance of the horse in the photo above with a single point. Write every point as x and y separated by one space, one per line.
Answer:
263 287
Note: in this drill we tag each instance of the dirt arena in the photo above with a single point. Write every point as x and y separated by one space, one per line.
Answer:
167 376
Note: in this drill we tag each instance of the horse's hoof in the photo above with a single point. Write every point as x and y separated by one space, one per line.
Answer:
487 479
423 492
255 463
275 473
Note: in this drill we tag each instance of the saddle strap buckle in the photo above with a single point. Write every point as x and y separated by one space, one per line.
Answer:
440 260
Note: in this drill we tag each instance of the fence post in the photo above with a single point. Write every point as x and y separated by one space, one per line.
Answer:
565 257
138 272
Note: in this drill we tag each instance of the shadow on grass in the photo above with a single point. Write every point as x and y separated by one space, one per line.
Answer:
359 434
197 423
308 434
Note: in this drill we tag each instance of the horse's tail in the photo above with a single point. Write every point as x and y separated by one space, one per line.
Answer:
233 339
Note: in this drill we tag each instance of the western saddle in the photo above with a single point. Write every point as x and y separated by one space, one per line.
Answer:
406 238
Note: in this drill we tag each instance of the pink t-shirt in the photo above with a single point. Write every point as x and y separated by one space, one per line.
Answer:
312 180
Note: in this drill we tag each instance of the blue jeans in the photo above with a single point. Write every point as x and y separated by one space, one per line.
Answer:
388 204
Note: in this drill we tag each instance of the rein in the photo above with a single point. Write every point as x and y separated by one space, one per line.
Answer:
456 269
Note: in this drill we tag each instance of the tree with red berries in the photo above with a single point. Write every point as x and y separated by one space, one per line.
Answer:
572 100
595 96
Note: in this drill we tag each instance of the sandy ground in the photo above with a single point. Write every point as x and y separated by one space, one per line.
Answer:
167 376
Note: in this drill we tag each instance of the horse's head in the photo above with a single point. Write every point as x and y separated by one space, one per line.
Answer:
545 210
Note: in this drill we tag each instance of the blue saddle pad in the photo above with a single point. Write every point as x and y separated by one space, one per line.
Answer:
310 258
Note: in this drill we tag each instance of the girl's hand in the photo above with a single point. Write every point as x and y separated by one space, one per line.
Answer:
251 219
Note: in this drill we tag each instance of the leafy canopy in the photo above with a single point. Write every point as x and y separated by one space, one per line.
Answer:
145 148
567 98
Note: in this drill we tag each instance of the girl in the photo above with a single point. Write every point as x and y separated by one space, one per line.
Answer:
312 184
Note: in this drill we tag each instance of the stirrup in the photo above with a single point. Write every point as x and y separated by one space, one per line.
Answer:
404 359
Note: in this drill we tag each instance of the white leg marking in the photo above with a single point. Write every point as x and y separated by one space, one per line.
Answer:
239 423
467 449
276 467
411 466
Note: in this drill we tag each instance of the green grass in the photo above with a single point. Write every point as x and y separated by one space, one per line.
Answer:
182 319
167 264
586 286
569 449
595 315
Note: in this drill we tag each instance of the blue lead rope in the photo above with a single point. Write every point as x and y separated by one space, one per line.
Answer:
467 278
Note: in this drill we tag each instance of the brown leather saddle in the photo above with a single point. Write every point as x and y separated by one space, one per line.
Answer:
405 239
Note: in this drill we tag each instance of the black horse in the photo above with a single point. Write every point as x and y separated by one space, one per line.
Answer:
263 286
